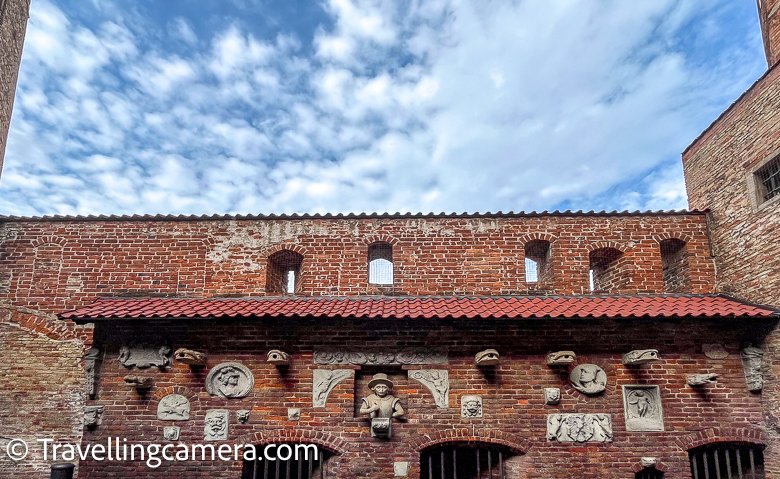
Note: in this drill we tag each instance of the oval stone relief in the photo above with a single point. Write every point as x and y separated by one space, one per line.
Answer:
230 380
588 379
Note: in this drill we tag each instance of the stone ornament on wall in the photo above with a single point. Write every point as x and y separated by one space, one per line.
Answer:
243 415
174 407
488 357
324 381
293 414
90 365
561 358
588 379
171 433
278 358
230 381
93 416
400 469
470 406
579 427
438 383
216 425
145 357
642 408
753 366
139 382
698 380
714 351
415 356
648 462
381 406
640 356
552 396
190 357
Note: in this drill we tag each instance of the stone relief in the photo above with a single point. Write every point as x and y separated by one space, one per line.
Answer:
93 416
714 351
561 358
243 415
323 383
640 356
400 469
293 413
171 433
753 366
701 379
216 425
174 407
188 356
648 462
579 427
470 406
381 427
145 357
488 357
278 358
416 356
552 396
381 406
139 382
230 381
90 364
642 408
438 383
588 379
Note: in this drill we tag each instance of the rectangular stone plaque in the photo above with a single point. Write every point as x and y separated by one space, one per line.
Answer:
642 408
579 427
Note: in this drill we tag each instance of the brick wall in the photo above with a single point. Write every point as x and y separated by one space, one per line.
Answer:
13 24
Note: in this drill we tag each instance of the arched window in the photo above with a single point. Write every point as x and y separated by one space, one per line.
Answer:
649 473
283 272
303 463
727 460
674 258
464 461
380 263
606 271
537 262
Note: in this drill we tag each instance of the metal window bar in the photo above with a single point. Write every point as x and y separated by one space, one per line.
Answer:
769 176
308 468
725 461
463 462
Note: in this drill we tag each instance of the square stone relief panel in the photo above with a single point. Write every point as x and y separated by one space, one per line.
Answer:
642 408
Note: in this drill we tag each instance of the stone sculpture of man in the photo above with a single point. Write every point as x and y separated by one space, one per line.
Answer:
381 404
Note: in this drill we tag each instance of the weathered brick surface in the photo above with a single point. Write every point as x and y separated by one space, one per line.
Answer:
13 24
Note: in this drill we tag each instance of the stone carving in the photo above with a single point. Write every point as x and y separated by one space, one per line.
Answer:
588 379
552 396
139 382
561 358
470 406
640 356
488 357
400 469
324 381
278 358
90 364
173 407
216 425
648 462
230 381
93 416
243 415
381 427
753 366
702 379
579 427
642 408
438 383
145 357
188 356
416 356
381 406
293 414
714 351
171 433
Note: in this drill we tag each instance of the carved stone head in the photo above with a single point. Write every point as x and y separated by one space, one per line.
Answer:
561 358
552 396
278 358
488 357
243 416
471 406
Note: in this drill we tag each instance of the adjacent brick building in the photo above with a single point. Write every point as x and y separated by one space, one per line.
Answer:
13 24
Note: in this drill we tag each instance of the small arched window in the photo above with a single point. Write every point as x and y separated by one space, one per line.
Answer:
380 264
604 272
465 461
283 272
674 258
727 460
537 262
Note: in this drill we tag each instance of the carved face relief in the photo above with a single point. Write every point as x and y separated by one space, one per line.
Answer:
588 379
93 416
230 380
471 406
173 407
552 396
243 416
171 433
216 425
293 414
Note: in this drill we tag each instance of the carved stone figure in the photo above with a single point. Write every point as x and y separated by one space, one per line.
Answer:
173 407
642 408
278 358
561 358
579 427
90 365
93 416
415 356
714 351
381 427
216 425
588 379
753 366
243 415
640 356
488 357
145 357
552 396
470 406
438 383
171 433
701 379
188 356
139 382
323 383
381 405
230 380
293 414
648 462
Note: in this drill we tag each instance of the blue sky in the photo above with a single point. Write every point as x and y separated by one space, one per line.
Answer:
282 106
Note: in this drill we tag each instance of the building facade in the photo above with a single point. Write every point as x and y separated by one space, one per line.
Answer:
13 24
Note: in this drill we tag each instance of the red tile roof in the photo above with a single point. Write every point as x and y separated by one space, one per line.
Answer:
426 307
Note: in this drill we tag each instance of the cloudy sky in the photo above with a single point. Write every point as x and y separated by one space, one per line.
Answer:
282 106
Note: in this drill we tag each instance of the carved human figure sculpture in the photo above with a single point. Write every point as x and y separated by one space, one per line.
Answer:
381 406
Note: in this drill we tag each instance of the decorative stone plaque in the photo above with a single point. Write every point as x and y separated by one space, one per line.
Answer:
216 425
714 351
243 415
588 379
552 396
438 383
293 414
415 356
230 381
753 366
171 433
145 357
93 416
642 408
640 356
400 469
173 407
470 406
90 364
323 383
697 380
579 427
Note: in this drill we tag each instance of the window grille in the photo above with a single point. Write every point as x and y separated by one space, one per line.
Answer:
537 262
380 263
464 462
283 272
531 273
650 473
301 468
768 177
727 461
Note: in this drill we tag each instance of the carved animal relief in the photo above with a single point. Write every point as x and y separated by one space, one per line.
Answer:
642 408
753 366
216 425
640 356
171 433
438 383
188 356
139 382
588 379
471 406
701 379
324 381
173 407
145 357
561 358
579 427
230 380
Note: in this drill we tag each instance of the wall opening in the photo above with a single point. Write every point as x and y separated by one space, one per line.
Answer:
301 465
537 262
607 271
649 473
465 461
283 272
380 263
727 460
674 258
